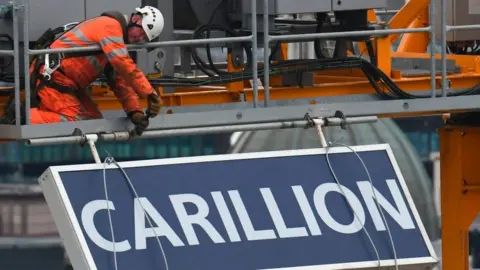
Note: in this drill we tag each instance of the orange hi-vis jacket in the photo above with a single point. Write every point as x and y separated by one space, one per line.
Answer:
79 72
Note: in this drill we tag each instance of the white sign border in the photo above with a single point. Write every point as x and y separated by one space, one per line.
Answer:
76 244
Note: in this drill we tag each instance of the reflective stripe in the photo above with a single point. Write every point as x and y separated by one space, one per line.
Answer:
117 52
68 41
63 118
95 63
107 40
82 117
78 34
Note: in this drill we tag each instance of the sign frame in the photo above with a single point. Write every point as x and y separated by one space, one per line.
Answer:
75 241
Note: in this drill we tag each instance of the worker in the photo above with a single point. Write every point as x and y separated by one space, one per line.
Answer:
60 88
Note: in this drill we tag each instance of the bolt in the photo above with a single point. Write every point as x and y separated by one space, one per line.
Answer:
239 115
406 105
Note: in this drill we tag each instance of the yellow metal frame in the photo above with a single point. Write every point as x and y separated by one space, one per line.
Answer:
460 196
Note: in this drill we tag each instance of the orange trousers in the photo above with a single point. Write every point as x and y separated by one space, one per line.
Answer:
61 107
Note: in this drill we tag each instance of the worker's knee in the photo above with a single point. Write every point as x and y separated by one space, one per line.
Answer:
56 101
39 116
43 116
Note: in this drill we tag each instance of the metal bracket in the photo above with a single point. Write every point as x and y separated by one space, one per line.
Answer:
319 123
51 66
340 115
468 187
91 140
237 55
338 120
160 64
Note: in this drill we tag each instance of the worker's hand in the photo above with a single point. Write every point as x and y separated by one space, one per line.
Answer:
154 104
140 120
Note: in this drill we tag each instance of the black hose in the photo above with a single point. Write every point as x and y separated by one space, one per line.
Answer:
371 52
200 63
211 70
317 46
373 74
210 22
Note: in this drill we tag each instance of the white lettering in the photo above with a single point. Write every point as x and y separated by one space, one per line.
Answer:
88 213
397 208
402 216
200 218
226 216
319 200
277 218
162 229
247 225
306 210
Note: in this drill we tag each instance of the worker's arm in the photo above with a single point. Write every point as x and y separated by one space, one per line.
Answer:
126 95
110 39
130 103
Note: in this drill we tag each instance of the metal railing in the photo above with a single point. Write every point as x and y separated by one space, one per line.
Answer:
252 38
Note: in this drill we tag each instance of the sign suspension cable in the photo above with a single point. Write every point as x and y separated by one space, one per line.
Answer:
319 124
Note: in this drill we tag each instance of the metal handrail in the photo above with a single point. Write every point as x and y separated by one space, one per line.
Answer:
158 44
6 52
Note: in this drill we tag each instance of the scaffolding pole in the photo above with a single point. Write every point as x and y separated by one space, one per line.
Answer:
125 136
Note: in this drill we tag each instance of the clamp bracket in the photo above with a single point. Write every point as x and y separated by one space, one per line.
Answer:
51 65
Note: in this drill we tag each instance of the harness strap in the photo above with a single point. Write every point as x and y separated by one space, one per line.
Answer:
112 14
43 40
121 19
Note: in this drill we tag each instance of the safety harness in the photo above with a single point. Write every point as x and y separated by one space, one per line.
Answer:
52 61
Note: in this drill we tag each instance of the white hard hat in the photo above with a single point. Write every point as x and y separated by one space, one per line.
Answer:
152 21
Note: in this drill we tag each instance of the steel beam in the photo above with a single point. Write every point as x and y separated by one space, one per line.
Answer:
245 114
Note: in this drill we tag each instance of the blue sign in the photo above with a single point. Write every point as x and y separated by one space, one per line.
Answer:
268 210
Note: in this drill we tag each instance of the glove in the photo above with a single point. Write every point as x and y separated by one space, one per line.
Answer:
154 104
140 121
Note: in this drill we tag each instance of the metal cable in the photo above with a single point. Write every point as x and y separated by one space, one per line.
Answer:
353 210
328 146
109 160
